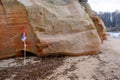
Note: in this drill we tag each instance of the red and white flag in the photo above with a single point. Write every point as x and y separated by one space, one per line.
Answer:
23 38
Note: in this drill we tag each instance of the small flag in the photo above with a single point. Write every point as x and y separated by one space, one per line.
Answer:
23 38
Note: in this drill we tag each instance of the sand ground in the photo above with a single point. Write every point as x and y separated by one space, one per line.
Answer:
103 66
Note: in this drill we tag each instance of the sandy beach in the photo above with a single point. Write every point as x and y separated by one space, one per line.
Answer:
103 66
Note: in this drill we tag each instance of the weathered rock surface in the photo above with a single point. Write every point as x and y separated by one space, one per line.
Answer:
96 20
12 17
100 27
52 26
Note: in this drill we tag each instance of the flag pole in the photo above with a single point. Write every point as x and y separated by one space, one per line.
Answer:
25 52
24 41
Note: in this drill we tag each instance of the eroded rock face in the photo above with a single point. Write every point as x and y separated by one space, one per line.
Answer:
100 26
12 17
53 27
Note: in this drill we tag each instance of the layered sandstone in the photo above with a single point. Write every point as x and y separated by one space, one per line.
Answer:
52 26
100 26
13 17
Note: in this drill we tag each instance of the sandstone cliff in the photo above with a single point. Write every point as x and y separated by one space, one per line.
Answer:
52 26
12 17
